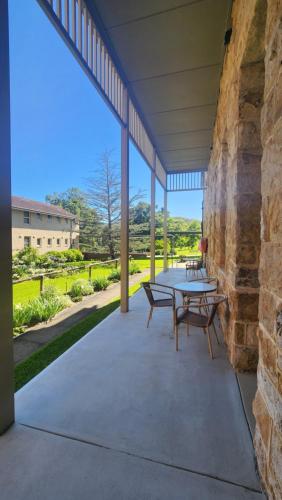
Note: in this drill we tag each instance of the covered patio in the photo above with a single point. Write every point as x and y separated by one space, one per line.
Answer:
196 88
122 415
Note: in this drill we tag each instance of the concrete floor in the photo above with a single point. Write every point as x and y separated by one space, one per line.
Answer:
121 415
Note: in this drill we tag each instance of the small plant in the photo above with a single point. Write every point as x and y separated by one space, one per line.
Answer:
100 284
115 275
134 268
80 288
49 292
37 310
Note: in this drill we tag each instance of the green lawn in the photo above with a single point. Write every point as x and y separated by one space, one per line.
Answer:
26 370
23 292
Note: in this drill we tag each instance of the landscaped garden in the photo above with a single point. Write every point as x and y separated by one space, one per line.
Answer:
64 284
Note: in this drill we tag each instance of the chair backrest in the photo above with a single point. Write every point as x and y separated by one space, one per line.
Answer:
212 305
151 287
147 287
208 308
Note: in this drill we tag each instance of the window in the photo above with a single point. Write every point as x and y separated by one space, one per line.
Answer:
27 241
49 217
66 241
38 242
58 242
59 219
38 215
49 242
26 217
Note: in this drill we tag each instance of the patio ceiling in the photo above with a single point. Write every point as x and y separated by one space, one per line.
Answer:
171 53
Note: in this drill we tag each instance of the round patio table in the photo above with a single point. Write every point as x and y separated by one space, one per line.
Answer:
194 287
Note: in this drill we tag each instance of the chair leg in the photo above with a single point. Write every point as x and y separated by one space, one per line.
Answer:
173 322
150 316
214 329
209 342
176 337
187 329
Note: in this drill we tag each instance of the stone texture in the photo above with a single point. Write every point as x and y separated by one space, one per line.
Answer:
243 215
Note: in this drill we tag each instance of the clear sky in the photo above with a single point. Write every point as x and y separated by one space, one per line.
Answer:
60 125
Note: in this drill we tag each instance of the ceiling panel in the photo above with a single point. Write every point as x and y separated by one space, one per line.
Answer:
116 12
156 50
185 166
186 154
182 120
180 90
184 140
171 53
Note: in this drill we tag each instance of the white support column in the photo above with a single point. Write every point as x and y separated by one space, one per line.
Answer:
6 309
153 221
124 226
165 231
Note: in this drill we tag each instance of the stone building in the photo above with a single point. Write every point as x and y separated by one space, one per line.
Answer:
42 226
243 215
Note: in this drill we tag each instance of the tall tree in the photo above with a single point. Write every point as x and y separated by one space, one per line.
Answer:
75 201
104 196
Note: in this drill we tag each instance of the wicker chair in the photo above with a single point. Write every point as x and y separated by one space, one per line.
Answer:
195 266
152 288
200 314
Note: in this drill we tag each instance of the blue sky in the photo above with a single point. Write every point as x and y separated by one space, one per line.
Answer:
60 125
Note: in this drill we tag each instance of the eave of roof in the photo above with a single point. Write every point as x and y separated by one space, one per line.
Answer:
21 203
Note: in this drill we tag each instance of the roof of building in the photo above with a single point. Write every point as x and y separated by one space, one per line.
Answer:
37 206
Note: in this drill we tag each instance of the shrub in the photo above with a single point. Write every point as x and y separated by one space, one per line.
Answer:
49 292
80 288
40 309
133 268
73 255
100 284
115 275
28 256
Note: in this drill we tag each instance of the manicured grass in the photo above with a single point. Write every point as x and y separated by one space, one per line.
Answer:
23 292
26 370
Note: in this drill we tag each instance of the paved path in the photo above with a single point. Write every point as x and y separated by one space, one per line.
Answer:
123 416
39 335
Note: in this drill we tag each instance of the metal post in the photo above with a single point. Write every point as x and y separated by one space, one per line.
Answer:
165 267
6 319
124 226
153 220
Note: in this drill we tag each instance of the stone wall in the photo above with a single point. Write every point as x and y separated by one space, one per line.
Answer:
243 215
268 402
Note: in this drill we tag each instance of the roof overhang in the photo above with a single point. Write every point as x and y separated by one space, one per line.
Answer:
170 54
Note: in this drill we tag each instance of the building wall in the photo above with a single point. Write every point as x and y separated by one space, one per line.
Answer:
44 229
243 221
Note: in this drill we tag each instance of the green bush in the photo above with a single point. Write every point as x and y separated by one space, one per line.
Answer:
73 255
134 268
80 288
28 256
57 256
115 275
40 309
100 284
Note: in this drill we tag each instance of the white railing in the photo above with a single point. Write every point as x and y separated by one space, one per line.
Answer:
186 181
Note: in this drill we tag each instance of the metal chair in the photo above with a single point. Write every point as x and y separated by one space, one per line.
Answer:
199 314
152 288
195 266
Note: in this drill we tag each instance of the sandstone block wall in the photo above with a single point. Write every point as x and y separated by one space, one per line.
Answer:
243 215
